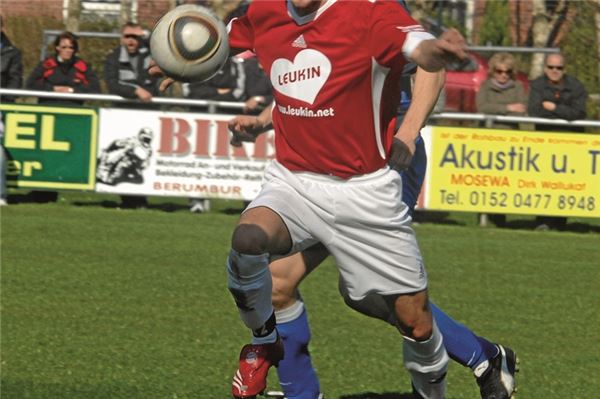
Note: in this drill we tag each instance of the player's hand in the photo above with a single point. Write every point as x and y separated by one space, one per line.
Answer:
433 55
245 128
451 45
402 154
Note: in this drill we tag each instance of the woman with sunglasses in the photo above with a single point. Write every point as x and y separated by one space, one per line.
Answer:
501 93
64 72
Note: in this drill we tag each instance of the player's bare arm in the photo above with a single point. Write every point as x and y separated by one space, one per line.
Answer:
433 55
426 91
248 127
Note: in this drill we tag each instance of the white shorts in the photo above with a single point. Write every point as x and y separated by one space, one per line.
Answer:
362 221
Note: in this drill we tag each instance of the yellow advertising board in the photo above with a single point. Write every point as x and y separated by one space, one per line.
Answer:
520 172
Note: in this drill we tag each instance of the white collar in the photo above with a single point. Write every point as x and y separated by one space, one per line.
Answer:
304 19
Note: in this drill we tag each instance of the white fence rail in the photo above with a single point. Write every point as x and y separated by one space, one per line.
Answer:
214 106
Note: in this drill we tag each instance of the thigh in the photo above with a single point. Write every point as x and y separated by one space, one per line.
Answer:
288 272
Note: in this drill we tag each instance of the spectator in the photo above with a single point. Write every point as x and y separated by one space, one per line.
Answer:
225 85
556 95
126 68
257 87
502 94
3 160
11 76
126 74
64 72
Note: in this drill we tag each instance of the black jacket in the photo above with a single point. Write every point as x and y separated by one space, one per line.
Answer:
257 83
75 73
11 76
123 78
569 96
229 77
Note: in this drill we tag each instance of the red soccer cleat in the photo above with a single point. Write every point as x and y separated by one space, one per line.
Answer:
255 360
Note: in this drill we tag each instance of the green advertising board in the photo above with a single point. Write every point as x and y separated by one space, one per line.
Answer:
50 147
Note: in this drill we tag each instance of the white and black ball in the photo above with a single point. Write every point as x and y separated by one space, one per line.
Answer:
189 43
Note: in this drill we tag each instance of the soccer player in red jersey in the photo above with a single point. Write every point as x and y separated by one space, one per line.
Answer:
335 66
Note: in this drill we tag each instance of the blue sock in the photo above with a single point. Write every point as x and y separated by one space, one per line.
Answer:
462 345
297 376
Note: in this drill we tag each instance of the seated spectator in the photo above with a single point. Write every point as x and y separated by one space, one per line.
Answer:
64 72
257 87
11 77
501 94
556 95
225 85
126 68
11 73
126 74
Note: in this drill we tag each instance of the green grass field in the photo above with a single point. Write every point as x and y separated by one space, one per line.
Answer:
99 302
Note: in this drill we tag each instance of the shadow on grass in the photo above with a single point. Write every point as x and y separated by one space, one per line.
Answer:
575 227
385 395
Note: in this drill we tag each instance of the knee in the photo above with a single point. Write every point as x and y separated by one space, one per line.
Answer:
249 239
422 331
414 321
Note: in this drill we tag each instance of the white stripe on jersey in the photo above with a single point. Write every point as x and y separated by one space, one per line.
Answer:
378 75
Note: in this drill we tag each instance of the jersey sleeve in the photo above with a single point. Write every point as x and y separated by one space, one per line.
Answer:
394 33
241 34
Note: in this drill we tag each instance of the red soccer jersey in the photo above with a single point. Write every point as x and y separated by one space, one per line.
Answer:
335 75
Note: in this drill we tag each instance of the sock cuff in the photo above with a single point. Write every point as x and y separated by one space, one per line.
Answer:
290 313
432 344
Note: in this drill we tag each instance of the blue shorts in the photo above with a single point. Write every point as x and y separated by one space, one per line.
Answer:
413 177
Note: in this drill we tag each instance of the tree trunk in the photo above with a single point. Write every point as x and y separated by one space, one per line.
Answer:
597 18
73 14
125 15
544 23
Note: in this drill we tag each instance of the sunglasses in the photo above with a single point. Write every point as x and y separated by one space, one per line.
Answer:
505 71
130 36
555 67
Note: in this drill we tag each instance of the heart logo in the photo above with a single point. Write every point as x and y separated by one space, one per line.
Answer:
302 79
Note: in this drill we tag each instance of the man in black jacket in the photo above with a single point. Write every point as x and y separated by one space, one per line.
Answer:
556 95
126 68
126 74
11 76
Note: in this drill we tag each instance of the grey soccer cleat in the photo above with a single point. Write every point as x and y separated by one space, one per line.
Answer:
496 377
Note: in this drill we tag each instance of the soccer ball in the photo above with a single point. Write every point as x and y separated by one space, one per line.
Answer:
189 43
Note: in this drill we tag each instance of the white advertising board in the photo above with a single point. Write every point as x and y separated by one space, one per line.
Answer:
177 154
